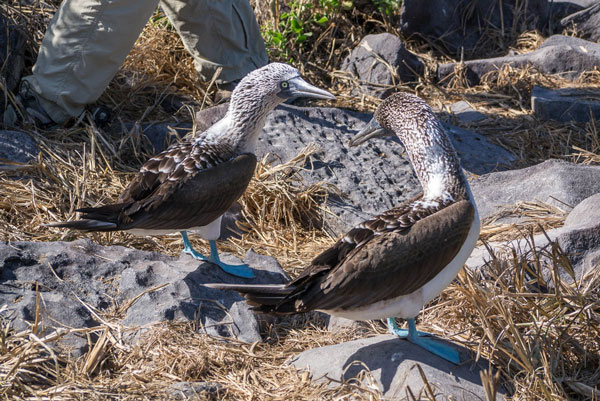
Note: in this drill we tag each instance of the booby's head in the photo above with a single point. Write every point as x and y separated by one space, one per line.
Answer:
271 85
428 146
400 114
257 94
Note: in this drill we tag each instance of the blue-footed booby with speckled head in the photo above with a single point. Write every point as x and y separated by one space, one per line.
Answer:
191 184
394 263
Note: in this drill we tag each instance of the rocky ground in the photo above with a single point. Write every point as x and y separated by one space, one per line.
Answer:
524 123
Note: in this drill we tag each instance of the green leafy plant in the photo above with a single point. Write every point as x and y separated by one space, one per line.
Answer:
386 7
298 24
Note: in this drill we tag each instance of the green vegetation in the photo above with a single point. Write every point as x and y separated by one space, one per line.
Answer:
386 7
295 26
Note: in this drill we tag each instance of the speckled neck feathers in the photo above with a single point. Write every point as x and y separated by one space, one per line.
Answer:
251 101
427 144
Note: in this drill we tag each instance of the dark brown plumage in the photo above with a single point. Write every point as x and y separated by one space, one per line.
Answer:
351 272
175 190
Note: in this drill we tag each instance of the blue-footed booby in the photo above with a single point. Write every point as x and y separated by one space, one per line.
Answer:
191 184
392 264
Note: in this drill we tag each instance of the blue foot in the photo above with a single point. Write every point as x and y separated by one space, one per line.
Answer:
243 271
416 337
189 249
402 333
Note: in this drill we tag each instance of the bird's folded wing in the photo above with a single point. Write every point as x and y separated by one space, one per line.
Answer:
356 238
192 199
187 185
391 264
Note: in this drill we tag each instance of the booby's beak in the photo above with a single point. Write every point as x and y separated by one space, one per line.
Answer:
297 87
371 130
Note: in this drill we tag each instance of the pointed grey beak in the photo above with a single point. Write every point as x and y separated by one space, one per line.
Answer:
298 87
371 130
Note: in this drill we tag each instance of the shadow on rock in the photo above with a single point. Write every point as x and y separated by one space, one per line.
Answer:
225 313
392 364
388 356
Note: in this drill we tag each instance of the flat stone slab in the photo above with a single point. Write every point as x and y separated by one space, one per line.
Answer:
373 177
566 104
556 182
392 363
563 55
16 147
71 275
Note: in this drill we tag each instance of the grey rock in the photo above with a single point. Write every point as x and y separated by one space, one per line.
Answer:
194 390
562 8
392 364
579 239
478 155
587 211
382 60
218 313
157 137
563 55
373 177
207 117
335 324
74 274
565 104
556 182
586 22
457 25
465 113
17 147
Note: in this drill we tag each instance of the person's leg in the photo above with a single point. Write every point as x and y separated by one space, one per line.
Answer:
83 48
218 33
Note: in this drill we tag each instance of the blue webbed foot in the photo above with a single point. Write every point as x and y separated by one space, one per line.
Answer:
243 271
438 348
402 333
189 249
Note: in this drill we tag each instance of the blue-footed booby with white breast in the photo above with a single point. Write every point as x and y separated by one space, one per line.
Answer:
394 263
191 184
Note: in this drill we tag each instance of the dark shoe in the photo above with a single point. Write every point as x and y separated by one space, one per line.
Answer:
26 108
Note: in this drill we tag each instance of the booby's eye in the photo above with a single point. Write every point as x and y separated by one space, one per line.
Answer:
284 85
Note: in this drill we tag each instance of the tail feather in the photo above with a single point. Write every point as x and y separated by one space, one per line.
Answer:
104 213
270 289
103 218
267 298
85 225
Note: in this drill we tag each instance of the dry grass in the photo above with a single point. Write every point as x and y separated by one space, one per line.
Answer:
544 341
531 217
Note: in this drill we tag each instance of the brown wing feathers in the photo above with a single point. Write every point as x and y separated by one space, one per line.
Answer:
185 186
404 260
397 247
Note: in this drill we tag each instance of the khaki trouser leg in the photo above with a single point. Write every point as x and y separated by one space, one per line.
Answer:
84 47
218 33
